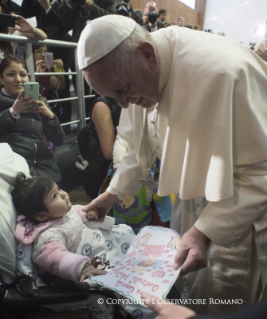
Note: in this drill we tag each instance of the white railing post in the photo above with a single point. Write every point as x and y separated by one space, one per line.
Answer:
80 92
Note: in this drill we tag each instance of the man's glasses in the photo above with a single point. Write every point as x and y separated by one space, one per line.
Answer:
41 51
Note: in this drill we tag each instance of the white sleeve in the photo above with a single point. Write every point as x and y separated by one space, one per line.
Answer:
127 177
225 221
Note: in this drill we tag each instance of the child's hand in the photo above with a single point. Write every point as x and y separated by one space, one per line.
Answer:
92 215
89 270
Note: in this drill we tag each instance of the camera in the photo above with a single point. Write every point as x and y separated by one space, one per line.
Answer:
122 8
152 16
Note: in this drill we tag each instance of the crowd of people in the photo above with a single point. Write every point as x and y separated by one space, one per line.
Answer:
206 150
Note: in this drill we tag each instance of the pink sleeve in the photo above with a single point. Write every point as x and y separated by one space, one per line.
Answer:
79 210
55 258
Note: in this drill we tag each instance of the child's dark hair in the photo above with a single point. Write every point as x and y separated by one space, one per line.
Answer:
28 194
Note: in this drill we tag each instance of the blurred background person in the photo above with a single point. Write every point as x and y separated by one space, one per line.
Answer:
196 27
162 23
49 18
96 141
181 22
150 16
124 8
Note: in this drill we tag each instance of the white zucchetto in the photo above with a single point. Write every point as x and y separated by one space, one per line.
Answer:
101 36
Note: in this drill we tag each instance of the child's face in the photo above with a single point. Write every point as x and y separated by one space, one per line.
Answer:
57 203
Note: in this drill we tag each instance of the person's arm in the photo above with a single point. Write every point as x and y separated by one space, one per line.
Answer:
51 125
52 17
68 15
57 260
27 29
127 177
102 118
225 221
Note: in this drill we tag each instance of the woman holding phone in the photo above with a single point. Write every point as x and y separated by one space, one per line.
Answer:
24 121
43 62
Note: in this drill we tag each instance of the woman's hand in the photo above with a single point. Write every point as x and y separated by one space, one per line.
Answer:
42 108
22 103
40 66
89 270
92 215
59 64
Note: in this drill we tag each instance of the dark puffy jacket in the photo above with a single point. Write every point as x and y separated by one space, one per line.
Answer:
25 137
90 149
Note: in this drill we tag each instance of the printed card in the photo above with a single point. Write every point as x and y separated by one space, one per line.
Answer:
148 265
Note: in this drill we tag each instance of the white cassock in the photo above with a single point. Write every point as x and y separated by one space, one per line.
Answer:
212 142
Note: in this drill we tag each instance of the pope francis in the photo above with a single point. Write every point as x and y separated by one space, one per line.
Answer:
198 102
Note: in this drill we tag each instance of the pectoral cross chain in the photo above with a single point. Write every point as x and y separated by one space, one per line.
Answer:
149 182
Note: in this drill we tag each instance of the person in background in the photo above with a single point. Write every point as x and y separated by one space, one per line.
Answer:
96 142
196 27
181 22
75 14
47 83
24 121
150 8
22 28
48 15
162 23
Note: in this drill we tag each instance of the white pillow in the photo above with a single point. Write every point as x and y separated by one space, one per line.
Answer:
10 165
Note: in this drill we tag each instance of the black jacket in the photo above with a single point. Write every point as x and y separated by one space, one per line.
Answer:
25 137
90 149
50 23
76 18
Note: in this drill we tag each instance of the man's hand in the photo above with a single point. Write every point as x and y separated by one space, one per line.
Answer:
45 4
166 310
89 270
102 204
261 49
192 253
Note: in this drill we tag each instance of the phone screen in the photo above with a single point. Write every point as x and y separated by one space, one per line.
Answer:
49 57
6 20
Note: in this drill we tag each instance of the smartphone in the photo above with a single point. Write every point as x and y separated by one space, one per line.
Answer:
6 20
49 57
32 88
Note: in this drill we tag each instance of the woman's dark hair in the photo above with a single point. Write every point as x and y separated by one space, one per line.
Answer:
5 45
5 63
28 194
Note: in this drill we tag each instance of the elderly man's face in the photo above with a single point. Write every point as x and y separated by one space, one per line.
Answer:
139 84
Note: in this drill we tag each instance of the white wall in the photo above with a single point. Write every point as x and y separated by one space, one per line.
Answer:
241 20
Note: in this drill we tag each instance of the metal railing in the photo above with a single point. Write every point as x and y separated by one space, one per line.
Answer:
80 97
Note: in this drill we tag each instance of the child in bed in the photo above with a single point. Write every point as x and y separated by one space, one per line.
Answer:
64 237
